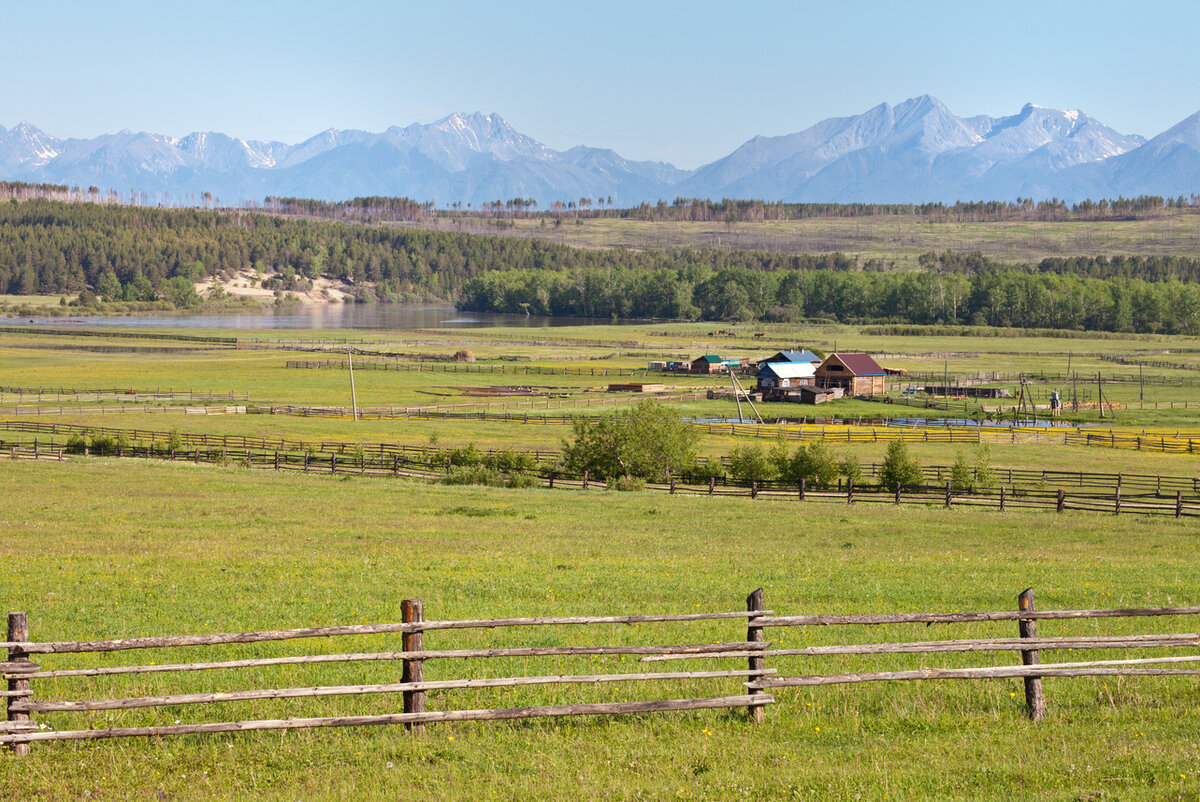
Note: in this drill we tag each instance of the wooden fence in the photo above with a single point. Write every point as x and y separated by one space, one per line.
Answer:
461 367
26 708
24 395
382 453
1119 501
28 713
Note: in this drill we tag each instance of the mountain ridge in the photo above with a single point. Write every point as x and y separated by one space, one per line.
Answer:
916 151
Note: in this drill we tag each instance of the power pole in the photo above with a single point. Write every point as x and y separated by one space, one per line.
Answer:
353 398
1100 394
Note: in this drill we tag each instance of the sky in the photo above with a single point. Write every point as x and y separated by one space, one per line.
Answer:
684 82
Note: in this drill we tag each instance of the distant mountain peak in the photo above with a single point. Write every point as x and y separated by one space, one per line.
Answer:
915 151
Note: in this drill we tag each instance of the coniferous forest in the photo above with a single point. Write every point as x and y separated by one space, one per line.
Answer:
127 253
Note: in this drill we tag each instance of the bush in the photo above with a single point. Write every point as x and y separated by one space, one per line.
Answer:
75 444
815 463
522 479
711 468
751 464
509 461
900 466
464 456
627 484
851 470
646 441
472 475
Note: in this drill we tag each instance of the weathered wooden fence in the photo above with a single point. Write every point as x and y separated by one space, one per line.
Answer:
26 707
25 395
1118 501
30 716
381 454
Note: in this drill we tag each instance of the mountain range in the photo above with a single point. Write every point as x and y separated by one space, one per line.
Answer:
916 151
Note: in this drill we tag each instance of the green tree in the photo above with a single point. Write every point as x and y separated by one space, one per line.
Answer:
751 463
900 466
646 442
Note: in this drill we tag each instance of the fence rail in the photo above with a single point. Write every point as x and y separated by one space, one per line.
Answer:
25 677
1119 501
382 453
39 394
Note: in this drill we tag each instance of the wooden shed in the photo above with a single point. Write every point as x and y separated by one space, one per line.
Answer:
709 363
855 374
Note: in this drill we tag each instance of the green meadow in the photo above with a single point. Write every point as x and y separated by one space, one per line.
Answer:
105 548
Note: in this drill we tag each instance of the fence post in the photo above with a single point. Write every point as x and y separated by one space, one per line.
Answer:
333 462
1117 497
801 488
18 630
412 611
754 634
1178 503
1062 497
711 484
897 492
948 499
585 480
672 485
754 489
849 490
1027 628
1001 498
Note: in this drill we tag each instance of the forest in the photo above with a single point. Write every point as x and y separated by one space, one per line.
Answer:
130 253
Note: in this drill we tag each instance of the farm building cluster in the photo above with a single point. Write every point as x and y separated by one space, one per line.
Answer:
799 375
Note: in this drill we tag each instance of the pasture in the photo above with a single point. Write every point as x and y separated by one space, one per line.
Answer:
111 548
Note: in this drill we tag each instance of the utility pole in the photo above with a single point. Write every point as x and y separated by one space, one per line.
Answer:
353 398
1100 393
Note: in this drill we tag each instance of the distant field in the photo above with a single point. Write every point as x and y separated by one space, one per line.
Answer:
898 239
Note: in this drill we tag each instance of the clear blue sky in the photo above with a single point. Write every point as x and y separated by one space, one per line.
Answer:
684 82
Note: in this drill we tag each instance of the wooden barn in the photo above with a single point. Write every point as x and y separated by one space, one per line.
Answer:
777 379
855 374
711 363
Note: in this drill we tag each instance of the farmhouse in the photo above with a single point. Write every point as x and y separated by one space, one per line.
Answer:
777 379
854 374
711 363
800 356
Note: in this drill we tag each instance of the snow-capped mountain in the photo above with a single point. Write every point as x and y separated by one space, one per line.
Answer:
915 151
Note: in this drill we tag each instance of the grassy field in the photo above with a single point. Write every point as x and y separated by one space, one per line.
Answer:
179 549
898 239
108 548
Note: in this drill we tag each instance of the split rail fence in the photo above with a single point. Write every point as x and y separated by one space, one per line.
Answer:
33 718
381 455
397 465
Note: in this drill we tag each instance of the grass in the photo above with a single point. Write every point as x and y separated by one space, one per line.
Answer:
892 239
107 548
110 549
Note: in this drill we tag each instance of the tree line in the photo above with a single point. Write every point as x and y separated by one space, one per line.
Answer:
145 254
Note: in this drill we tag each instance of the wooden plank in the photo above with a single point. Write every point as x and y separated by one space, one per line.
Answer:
702 649
1085 669
973 645
873 619
501 714
172 641
357 690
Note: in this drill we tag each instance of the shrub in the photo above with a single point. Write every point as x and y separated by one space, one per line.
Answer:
472 475
751 464
627 484
646 441
711 468
75 444
815 463
509 461
851 470
900 466
522 479
465 456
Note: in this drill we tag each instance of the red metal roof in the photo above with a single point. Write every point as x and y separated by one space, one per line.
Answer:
860 364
